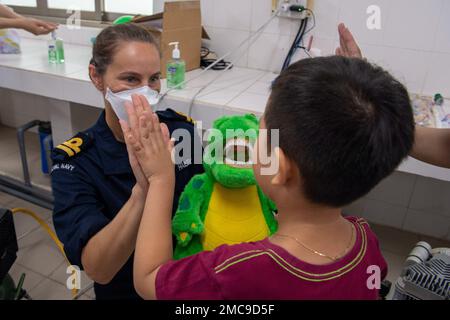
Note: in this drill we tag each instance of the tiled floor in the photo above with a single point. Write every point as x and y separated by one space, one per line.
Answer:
39 257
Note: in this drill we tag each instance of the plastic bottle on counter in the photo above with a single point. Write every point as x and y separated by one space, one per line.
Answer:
176 68
56 50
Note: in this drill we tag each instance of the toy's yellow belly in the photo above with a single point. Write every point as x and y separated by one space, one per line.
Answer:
233 216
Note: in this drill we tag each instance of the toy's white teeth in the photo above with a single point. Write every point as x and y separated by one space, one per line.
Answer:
238 164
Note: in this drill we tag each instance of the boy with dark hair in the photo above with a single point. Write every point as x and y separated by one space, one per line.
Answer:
344 125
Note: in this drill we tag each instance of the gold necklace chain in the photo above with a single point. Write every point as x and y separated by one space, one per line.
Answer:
320 253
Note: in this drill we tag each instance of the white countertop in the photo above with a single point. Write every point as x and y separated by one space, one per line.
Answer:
237 91
243 90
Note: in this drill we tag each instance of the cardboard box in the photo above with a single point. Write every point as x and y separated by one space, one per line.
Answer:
180 22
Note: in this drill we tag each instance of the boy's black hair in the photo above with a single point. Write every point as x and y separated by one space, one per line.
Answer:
346 123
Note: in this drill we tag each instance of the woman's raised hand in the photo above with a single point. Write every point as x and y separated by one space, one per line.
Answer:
141 179
149 140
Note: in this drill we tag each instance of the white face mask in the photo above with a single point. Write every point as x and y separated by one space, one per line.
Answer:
117 100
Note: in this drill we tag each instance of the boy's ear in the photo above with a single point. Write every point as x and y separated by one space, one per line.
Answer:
284 168
96 79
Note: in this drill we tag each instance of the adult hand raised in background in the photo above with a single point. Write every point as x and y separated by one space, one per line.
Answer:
348 46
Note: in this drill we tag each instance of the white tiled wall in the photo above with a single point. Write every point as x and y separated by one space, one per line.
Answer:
413 43
404 201
17 108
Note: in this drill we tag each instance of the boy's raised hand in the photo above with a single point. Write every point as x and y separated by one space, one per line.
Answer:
141 179
149 139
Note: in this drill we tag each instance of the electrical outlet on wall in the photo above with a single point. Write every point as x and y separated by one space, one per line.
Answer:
284 5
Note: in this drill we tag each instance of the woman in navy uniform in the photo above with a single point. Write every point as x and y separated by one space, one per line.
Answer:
98 200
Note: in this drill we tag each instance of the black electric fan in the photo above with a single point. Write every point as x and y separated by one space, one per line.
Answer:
8 255
8 242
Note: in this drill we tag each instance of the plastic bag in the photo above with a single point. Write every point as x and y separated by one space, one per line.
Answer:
442 111
9 41
423 111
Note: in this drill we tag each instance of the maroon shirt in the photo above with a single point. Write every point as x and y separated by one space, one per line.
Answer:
262 270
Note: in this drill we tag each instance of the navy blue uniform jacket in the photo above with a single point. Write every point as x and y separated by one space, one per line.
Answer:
92 180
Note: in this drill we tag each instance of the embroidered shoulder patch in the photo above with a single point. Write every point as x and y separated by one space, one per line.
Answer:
74 146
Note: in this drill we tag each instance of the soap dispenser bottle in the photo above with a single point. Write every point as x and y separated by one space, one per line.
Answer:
176 68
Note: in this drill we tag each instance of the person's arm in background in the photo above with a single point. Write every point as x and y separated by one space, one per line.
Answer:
6 12
107 251
431 145
10 19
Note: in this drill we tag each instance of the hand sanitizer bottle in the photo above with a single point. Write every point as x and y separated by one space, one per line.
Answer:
52 54
56 50
60 50
176 68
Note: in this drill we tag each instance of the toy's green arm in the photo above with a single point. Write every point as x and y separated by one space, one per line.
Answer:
269 208
188 219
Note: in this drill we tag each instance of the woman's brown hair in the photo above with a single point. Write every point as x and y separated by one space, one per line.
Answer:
110 38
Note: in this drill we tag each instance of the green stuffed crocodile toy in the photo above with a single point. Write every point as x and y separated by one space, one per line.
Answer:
224 205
